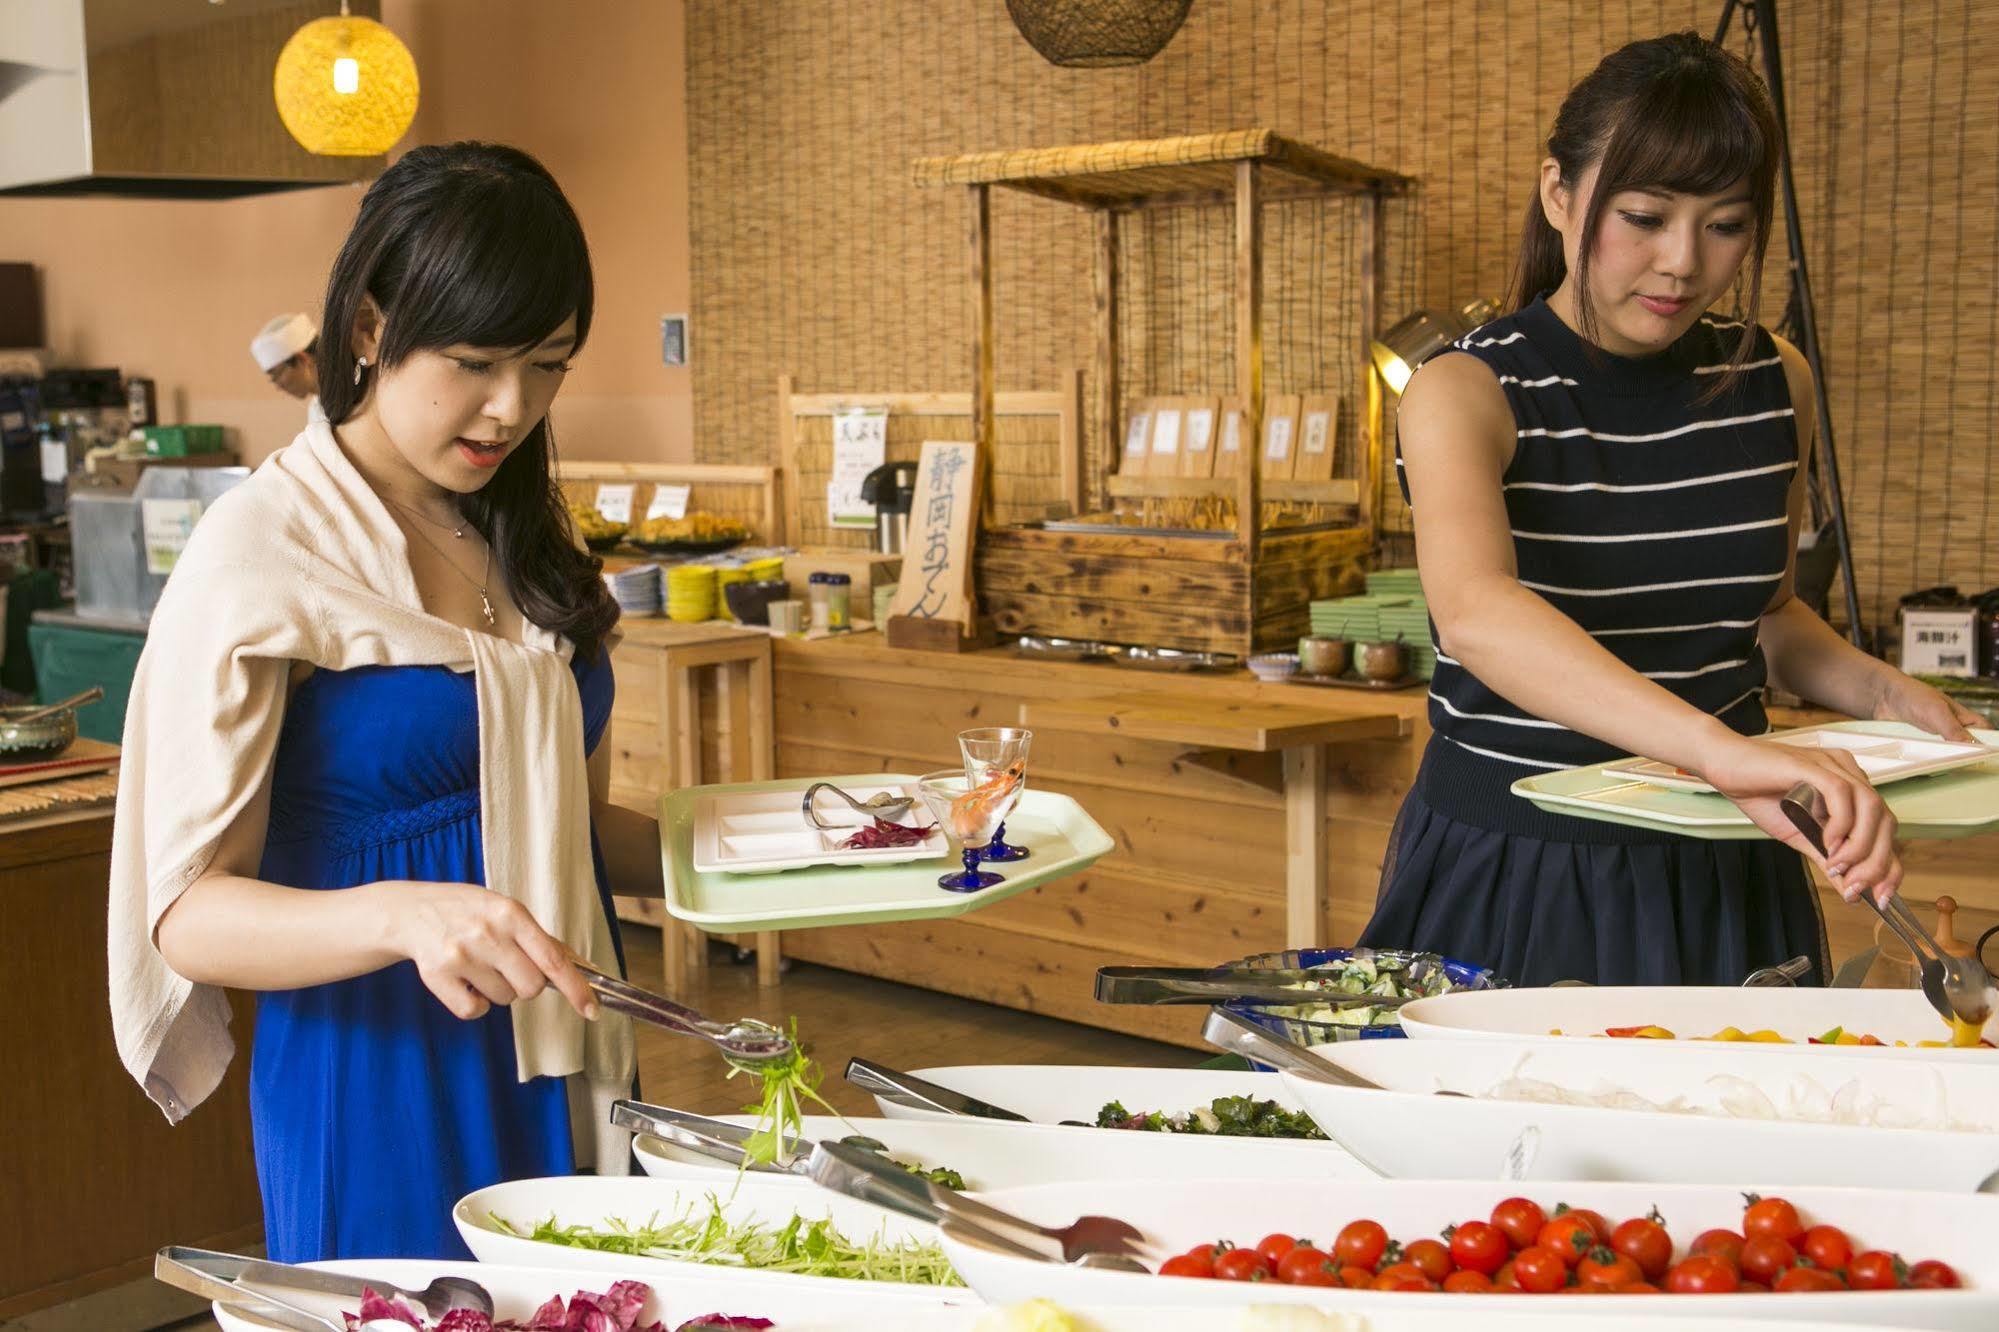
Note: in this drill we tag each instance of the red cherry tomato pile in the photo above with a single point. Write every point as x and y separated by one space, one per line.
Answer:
1520 1249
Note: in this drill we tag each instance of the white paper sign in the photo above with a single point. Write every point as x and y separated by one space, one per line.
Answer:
614 502
1232 433
1166 435
860 444
1277 439
1135 433
167 524
1200 428
669 502
1318 429
55 461
1940 642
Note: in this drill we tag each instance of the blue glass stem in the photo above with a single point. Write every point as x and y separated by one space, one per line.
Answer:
998 852
972 878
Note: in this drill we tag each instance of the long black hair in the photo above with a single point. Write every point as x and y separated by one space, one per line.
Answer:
474 243
1677 113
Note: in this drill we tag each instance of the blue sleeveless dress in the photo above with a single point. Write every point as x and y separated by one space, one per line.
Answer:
374 1109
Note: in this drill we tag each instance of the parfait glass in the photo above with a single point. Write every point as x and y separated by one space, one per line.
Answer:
969 816
998 754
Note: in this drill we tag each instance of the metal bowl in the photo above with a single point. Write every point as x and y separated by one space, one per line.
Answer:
1283 1020
32 742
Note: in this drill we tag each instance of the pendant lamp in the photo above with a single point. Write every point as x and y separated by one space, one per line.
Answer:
345 87
1098 34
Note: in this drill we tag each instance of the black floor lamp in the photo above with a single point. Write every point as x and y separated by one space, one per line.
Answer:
1800 323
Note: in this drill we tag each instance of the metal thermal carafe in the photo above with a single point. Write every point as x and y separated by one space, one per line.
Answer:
891 488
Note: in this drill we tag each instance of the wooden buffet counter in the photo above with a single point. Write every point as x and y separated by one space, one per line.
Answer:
1187 773
97 1178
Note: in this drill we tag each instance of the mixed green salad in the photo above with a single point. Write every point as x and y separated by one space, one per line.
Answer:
1224 1117
1385 977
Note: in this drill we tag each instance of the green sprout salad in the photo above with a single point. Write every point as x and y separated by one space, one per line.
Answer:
1385 977
1225 1117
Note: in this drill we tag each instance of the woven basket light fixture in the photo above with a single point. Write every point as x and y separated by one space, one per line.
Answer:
345 87
1097 34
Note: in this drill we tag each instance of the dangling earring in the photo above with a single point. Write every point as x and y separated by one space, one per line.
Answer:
360 364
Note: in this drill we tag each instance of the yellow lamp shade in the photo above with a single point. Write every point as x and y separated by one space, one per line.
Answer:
345 87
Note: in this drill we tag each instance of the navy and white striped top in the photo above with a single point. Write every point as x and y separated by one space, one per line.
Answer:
1657 522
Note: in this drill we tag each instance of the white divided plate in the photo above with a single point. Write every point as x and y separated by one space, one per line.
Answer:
594 1201
762 832
1955 1228
997 1156
517 1292
1578 1011
1051 1093
1883 758
1409 1132
677 1295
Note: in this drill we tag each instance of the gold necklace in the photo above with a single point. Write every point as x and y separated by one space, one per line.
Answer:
479 584
456 532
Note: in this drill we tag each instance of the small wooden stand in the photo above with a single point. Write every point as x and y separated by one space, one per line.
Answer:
910 631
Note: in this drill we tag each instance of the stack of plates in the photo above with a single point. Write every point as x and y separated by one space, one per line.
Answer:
1356 619
636 589
690 593
764 569
1402 582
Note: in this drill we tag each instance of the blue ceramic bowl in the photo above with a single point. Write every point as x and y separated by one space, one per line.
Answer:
1459 975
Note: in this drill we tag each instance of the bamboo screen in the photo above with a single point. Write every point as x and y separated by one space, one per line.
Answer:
815 256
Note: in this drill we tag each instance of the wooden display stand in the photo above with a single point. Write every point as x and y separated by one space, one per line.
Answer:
1111 585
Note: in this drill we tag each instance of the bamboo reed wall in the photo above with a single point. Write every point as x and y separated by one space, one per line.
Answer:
814 255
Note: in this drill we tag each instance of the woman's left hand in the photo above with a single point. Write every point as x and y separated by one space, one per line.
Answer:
1906 699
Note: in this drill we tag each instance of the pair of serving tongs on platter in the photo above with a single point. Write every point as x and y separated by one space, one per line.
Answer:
858 1167
1222 985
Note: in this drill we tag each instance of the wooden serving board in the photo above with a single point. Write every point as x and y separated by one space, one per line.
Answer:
81 759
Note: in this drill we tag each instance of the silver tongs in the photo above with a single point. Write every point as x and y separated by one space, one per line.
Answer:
716 1138
747 1041
1957 987
1221 985
218 1276
1089 1241
899 1088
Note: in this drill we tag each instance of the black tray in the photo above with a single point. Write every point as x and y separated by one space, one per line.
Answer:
688 547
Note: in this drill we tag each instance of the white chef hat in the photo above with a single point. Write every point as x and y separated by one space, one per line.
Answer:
282 338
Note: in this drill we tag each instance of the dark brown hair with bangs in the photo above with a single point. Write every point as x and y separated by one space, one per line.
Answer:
1676 113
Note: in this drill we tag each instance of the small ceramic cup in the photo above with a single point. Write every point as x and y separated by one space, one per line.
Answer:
1324 656
787 616
1382 661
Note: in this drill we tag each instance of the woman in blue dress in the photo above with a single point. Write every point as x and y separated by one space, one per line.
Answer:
349 893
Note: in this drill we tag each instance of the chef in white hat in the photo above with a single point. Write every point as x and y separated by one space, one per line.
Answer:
286 352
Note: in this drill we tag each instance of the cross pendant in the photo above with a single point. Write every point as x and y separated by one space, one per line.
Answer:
486 607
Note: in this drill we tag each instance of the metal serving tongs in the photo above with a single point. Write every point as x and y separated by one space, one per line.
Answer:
880 805
1221 985
746 1041
723 1141
218 1276
1089 1241
1957 987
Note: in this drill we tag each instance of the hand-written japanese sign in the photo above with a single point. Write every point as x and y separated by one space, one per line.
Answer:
937 558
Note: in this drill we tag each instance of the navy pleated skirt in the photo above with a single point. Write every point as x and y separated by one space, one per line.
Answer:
1611 907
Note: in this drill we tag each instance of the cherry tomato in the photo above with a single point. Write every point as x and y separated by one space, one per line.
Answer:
1307 1266
1702 1274
1934 1274
1827 1246
1765 1258
1593 1219
1520 1220
1274 1247
1604 1267
1361 1244
1749 1287
1478 1246
1876 1270
1540 1270
1242 1265
1635 1288
1771 1217
1721 1243
1468 1281
1568 1235
1356 1278
1809 1279
1645 1242
1188 1265
1505 1281
1403 1276
1430 1257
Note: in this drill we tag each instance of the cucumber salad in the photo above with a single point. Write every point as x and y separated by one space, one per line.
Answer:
1387 977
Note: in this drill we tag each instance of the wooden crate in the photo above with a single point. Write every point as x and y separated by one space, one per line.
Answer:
1193 592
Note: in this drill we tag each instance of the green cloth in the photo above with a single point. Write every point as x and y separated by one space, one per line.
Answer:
28 591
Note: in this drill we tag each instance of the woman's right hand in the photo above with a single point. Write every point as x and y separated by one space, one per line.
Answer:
1859 829
475 948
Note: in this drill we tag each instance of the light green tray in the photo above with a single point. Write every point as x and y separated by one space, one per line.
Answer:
1062 837
1960 803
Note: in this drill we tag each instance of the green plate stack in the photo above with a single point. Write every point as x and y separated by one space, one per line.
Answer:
1411 623
1401 582
1356 619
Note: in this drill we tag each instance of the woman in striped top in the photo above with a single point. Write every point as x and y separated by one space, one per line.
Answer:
1607 486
